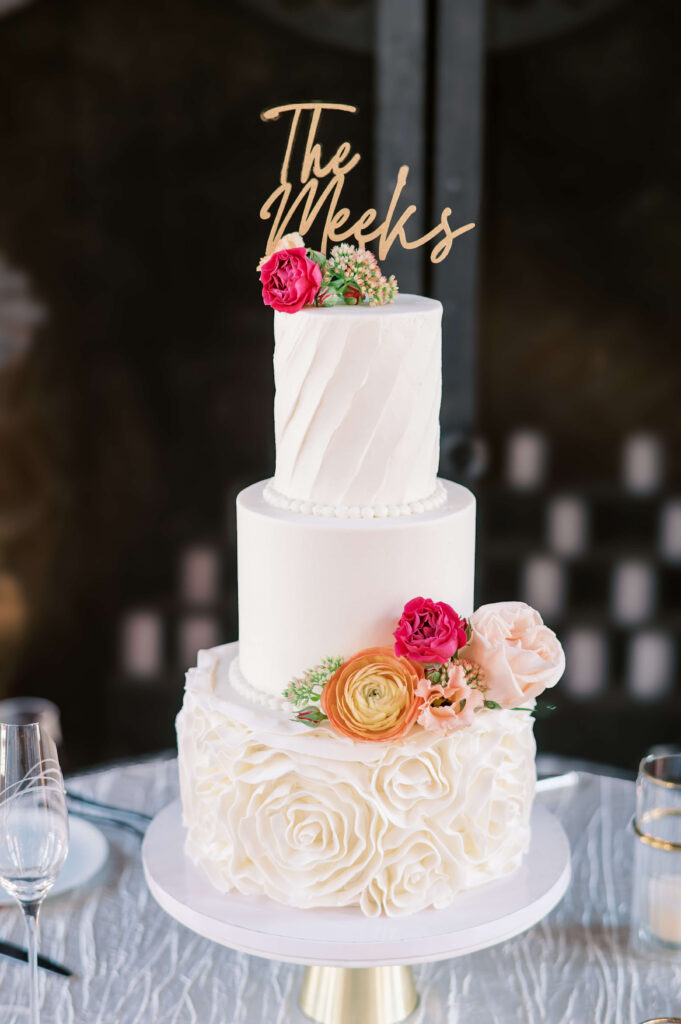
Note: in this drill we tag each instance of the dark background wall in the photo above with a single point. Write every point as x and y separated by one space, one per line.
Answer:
135 354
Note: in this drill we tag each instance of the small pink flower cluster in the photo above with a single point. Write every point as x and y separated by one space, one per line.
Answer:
360 267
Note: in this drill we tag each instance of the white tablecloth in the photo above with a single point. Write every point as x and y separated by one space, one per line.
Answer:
135 965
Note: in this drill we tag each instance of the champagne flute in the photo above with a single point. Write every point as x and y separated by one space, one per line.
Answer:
34 833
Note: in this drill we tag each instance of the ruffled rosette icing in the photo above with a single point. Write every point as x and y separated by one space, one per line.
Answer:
313 819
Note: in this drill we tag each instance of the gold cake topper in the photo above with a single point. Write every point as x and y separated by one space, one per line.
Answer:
317 193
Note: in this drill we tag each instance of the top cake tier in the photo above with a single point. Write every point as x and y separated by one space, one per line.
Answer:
357 405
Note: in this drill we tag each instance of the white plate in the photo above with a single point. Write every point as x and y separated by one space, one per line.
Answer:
88 850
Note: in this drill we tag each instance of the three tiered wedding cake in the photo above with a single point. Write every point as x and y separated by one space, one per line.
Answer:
363 743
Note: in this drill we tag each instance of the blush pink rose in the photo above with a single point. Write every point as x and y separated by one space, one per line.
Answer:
429 631
448 707
519 656
290 280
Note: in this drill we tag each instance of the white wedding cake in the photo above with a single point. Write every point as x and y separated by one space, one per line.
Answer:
368 741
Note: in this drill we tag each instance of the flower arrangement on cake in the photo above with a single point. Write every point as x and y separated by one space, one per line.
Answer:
441 672
294 276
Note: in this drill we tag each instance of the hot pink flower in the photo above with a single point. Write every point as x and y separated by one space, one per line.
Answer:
290 280
449 707
429 631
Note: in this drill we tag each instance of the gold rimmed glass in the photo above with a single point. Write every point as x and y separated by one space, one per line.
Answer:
656 911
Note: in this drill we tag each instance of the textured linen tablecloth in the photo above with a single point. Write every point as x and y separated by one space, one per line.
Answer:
135 965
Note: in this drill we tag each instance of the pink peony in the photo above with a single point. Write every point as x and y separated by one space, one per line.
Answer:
449 707
519 655
429 631
290 280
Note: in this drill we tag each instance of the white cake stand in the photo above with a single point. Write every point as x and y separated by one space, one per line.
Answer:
337 944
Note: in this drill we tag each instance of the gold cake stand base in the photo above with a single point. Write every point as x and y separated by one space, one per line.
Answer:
358 995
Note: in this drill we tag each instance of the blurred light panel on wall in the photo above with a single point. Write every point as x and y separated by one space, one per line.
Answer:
20 313
634 591
526 460
670 530
650 665
196 633
200 575
642 463
567 525
142 644
543 585
586 654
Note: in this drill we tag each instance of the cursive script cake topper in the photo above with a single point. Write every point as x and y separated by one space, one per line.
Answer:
321 186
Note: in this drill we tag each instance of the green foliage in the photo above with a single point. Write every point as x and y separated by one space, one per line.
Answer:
308 688
540 710
316 257
543 710
435 673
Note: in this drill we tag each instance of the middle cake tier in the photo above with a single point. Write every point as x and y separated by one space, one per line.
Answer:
313 587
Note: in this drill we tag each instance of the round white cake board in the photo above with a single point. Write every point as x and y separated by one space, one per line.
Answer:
344 937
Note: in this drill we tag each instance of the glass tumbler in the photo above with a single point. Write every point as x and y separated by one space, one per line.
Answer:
656 910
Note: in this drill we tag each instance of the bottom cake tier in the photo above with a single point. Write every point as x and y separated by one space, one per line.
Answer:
313 819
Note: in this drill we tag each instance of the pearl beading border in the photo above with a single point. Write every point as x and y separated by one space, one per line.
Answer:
307 508
266 700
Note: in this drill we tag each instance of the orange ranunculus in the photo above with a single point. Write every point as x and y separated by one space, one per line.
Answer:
372 696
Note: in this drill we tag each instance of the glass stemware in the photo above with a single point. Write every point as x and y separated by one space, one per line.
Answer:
34 835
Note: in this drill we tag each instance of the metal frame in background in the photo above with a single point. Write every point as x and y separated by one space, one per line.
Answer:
429 115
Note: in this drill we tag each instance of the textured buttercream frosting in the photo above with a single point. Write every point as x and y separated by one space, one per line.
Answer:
312 819
357 404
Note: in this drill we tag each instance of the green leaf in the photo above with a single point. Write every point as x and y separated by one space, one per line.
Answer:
316 257
435 673
543 710
540 710
335 281
492 705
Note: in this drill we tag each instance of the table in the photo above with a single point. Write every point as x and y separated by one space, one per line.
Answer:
137 966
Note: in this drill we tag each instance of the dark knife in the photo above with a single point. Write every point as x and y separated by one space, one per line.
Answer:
18 953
